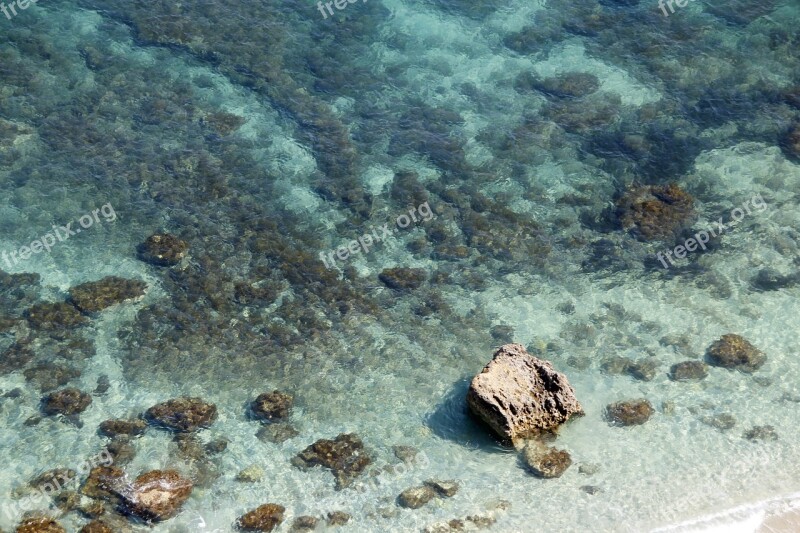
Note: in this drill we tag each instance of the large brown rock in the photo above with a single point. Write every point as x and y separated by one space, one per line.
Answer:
183 414
70 401
156 495
272 406
163 249
519 396
344 455
655 212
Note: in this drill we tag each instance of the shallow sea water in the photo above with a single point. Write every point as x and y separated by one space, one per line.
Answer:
347 123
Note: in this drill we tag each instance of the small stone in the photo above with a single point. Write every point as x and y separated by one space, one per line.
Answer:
93 509
183 414
734 351
407 454
216 446
544 461
446 489
103 384
49 376
502 333
589 469
66 402
224 123
121 450
272 406
96 526
616 365
345 456
722 421
123 426
416 497
305 523
39 524
629 413
761 433
67 501
644 369
276 433
265 518
98 295
403 278
104 483
338 518
591 489
163 249
579 362
251 474
32 421
688 370
668 407
482 521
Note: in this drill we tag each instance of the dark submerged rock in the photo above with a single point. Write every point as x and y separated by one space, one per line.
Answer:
734 351
276 433
446 489
49 376
338 518
163 249
518 395
761 433
95 296
344 456
66 402
264 518
123 426
400 278
688 370
183 414
629 413
305 523
54 316
655 212
272 406
722 421
566 85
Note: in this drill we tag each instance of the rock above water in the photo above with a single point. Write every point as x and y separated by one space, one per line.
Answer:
183 414
416 497
271 406
344 455
39 524
403 278
264 518
95 296
66 402
156 495
59 315
163 249
688 370
130 427
518 395
655 212
544 461
629 413
734 351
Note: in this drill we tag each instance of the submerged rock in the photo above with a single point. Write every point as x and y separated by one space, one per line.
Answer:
722 421
105 483
224 123
276 433
96 526
163 249
629 413
734 351
446 489
338 518
566 85
655 212
271 406
251 474
66 402
344 455
183 414
518 395
123 426
305 523
58 315
688 370
156 495
403 278
265 518
791 142
95 296
39 524
49 376
416 497
544 461
761 433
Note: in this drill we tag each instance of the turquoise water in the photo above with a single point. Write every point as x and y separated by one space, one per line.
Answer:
346 123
